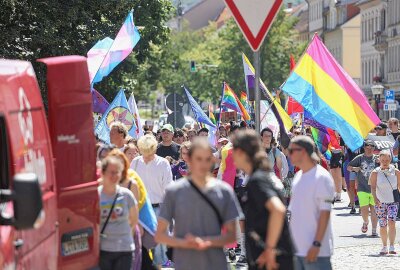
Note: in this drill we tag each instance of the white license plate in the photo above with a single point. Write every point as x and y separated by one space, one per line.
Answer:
75 246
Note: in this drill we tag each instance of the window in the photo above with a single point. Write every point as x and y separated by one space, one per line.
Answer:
4 155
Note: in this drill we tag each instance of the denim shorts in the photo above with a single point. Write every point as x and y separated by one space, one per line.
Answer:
322 263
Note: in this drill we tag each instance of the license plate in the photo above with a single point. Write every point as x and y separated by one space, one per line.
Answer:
75 246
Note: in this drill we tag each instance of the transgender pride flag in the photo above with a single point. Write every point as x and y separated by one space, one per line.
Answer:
106 54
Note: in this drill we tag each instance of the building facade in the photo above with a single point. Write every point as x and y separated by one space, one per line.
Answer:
341 34
393 40
380 49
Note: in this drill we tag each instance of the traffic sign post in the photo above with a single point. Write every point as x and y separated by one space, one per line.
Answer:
257 87
390 107
254 18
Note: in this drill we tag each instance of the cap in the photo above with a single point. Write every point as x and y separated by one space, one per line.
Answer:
223 140
369 142
308 144
381 126
168 127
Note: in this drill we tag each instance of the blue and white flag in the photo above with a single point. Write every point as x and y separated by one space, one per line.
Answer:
199 114
118 111
106 54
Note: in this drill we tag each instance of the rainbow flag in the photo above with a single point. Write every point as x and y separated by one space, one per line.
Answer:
231 101
322 140
243 99
331 96
211 115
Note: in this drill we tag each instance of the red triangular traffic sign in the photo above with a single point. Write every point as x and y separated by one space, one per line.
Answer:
254 18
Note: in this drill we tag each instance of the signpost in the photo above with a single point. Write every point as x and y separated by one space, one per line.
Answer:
390 107
389 96
390 102
254 18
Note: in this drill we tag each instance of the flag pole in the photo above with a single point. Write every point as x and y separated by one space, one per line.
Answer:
257 88
220 105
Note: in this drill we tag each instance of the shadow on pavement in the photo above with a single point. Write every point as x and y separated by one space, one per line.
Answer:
342 208
346 215
358 236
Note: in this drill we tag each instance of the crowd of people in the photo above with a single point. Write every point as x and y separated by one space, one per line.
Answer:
247 195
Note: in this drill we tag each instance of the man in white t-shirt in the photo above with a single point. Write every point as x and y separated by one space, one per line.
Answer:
312 195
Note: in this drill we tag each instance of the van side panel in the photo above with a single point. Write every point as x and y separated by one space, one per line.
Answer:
72 134
30 151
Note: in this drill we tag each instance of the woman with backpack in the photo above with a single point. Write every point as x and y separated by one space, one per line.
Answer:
268 241
273 153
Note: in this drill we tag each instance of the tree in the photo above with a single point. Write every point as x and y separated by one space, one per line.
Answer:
223 47
36 29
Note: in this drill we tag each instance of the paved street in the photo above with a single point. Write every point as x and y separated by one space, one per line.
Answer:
354 250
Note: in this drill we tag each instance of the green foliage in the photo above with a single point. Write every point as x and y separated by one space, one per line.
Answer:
223 47
36 29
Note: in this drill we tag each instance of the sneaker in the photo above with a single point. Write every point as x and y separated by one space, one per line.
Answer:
232 255
384 251
168 263
242 260
353 211
357 203
364 227
374 233
392 250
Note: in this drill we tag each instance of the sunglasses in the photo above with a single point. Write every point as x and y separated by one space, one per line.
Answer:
378 128
370 145
179 135
292 150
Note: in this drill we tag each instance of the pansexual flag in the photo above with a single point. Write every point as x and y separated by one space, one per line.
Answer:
330 95
108 53
292 106
231 101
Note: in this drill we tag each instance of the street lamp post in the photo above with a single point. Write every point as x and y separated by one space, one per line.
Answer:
377 91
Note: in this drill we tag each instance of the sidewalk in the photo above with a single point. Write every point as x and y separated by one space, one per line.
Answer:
355 250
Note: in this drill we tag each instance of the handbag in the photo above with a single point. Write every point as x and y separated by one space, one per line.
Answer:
108 217
396 193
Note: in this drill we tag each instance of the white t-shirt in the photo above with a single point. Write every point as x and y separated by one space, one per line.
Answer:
156 176
313 192
285 166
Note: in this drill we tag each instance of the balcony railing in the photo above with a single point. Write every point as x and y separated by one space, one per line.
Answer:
380 43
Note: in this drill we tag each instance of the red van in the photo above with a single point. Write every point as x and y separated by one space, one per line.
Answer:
48 191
